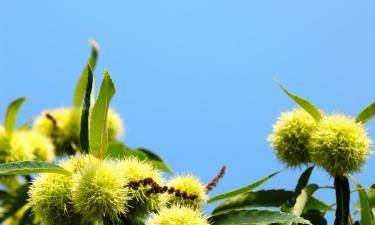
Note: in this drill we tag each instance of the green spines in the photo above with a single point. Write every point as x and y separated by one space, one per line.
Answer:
105 189
14 148
176 215
99 191
141 202
340 144
192 186
41 146
337 142
291 136
79 162
62 125
50 197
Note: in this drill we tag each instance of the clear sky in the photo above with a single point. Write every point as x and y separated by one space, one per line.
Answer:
195 79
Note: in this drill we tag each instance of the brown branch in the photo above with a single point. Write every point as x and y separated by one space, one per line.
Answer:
215 181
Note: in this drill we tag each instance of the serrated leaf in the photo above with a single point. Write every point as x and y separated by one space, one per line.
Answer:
13 202
262 198
366 212
27 218
304 104
317 204
84 132
82 82
26 126
303 198
98 133
30 167
258 217
371 196
157 161
367 113
315 217
241 190
12 113
118 150
303 181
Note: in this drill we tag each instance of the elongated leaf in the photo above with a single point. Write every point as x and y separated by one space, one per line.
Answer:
315 217
26 125
367 114
303 181
118 150
305 104
366 211
342 200
303 198
241 190
371 196
259 217
157 161
27 218
30 167
98 133
262 198
82 82
13 202
317 204
84 133
12 113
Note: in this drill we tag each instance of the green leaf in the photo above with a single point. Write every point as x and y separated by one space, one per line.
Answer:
305 104
303 181
241 190
259 217
317 204
156 160
30 167
342 200
13 202
371 196
27 218
367 114
366 212
262 198
315 217
11 114
26 126
98 133
82 82
303 198
118 150
84 133
301 184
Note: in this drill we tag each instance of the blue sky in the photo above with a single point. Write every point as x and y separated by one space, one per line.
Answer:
195 79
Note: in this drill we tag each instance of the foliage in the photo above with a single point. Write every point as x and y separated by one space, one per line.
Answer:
97 179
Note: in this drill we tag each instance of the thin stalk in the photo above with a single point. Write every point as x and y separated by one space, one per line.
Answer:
342 200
